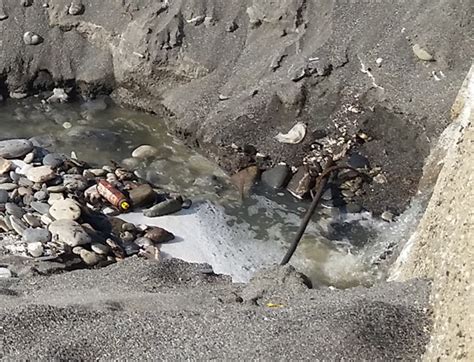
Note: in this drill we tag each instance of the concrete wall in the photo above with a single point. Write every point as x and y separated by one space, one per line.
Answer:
442 248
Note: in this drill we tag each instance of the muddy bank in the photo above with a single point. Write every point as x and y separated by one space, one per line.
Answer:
176 310
239 73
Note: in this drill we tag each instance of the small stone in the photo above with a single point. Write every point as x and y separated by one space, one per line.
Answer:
55 198
90 258
40 207
46 219
5 273
187 203
36 235
32 220
387 216
76 8
101 249
277 177
131 163
92 195
40 174
128 226
65 209
35 249
54 160
380 179
422 54
353 208
15 148
347 194
29 158
3 196
8 186
22 191
18 95
144 152
18 225
13 209
159 235
15 177
5 165
127 236
97 172
301 183
130 248
142 195
231 27
163 208
56 189
75 182
69 232
77 250
358 161
31 38
143 242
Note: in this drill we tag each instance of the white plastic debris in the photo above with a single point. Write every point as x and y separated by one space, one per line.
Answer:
59 96
294 136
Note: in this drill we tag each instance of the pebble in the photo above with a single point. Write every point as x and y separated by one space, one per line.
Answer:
90 258
387 216
130 163
421 53
8 186
56 189
3 196
5 165
277 177
15 148
143 242
69 232
159 235
143 195
127 236
31 38
76 8
40 195
75 182
130 248
14 176
36 235
29 158
145 151
353 208
32 220
101 249
18 225
15 210
347 194
65 209
40 174
35 249
40 207
5 273
128 226
187 204
54 198
163 208
54 160
358 161
300 184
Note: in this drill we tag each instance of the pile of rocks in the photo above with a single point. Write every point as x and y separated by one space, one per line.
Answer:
51 208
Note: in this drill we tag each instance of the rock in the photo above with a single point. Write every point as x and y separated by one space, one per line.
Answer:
127 236
8 186
15 148
3 196
31 38
159 235
5 273
327 195
90 258
387 216
18 225
35 249
69 232
56 189
40 174
163 208
187 204
22 191
131 163
143 242
142 195
25 182
145 151
277 177
92 195
67 209
54 160
59 96
358 161
36 235
18 95
97 172
40 207
76 8
5 165
40 195
301 183
75 182
101 249
128 226
54 198
15 210
29 158
245 179
348 194
14 176
32 220
422 54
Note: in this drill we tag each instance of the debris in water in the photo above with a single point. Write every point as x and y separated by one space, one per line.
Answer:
294 136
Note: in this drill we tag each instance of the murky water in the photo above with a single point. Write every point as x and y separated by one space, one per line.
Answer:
337 250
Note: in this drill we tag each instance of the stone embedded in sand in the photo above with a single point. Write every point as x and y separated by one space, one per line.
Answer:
40 174
15 148
159 235
69 232
145 151
35 249
36 235
422 54
5 165
30 38
101 249
65 209
89 257
76 8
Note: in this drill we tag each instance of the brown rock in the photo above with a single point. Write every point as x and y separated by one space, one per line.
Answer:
245 179
142 195
159 235
301 183
5 165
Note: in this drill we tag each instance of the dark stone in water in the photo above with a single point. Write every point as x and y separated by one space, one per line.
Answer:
15 148
143 195
54 160
164 208
277 177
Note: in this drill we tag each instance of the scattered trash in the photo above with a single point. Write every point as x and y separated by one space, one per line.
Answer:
275 305
294 136
112 195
